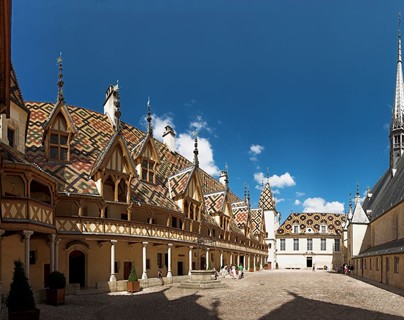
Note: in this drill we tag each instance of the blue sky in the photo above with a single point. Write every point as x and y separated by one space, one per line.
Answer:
301 90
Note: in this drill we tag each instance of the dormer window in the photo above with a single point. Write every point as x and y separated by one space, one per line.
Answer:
148 170
295 229
323 229
58 143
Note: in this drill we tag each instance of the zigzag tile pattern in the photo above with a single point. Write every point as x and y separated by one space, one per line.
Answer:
266 201
240 213
256 220
214 202
178 183
333 221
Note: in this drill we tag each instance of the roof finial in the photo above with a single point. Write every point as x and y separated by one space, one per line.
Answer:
196 161
60 98
149 118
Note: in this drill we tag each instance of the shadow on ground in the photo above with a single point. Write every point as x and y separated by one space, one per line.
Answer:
302 308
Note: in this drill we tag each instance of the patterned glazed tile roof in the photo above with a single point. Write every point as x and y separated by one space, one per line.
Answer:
305 221
256 220
94 134
15 91
178 183
266 201
240 213
215 202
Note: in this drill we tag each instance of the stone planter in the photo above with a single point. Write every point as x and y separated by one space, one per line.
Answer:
55 296
133 286
251 269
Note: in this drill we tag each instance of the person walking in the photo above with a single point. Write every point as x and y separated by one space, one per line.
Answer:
160 276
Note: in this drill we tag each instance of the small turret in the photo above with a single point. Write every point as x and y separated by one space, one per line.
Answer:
169 138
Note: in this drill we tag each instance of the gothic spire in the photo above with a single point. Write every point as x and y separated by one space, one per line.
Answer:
60 97
397 123
149 118
196 160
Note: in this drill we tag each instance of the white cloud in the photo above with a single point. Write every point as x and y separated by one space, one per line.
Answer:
275 191
159 124
185 146
199 124
279 200
256 149
318 204
299 194
285 180
260 178
297 202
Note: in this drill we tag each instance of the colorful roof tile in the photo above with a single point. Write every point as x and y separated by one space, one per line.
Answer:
311 222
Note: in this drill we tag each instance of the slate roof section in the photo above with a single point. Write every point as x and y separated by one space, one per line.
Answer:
393 247
333 221
178 183
240 213
387 192
359 215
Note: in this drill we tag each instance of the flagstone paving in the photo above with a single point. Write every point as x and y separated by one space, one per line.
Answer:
260 295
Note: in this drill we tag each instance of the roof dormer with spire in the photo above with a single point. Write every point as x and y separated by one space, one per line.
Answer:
397 122
358 215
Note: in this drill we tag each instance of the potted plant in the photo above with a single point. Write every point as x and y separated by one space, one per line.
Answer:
257 266
20 300
133 282
251 267
266 266
55 294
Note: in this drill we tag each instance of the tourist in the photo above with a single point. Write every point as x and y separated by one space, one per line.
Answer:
240 271
160 276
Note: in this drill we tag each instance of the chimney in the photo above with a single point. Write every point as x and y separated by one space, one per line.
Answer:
223 177
112 106
169 138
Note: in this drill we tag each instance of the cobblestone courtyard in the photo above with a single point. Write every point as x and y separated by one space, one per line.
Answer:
260 295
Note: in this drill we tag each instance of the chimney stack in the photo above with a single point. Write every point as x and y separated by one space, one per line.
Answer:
169 138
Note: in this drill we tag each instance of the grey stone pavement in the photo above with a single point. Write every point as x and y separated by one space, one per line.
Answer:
260 295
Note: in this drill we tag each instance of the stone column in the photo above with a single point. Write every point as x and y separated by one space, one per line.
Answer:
169 274
57 254
52 238
190 260
238 260
27 235
261 264
144 254
207 258
112 276
231 259
221 259
249 261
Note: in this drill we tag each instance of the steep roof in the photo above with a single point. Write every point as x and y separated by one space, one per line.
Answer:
240 213
256 220
359 215
313 221
266 201
94 134
386 193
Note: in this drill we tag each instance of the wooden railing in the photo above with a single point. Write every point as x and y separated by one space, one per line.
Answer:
20 209
98 226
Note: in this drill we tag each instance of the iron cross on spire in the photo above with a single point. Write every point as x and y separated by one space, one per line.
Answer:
60 97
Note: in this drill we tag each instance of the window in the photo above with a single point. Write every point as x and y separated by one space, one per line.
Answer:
58 146
32 257
309 244
174 222
323 245
396 263
11 137
323 229
295 229
370 263
148 170
282 245
296 244
377 264
337 245
364 264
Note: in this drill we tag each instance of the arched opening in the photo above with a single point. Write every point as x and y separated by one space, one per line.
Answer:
109 187
122 191
77 264
14 186
40 192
